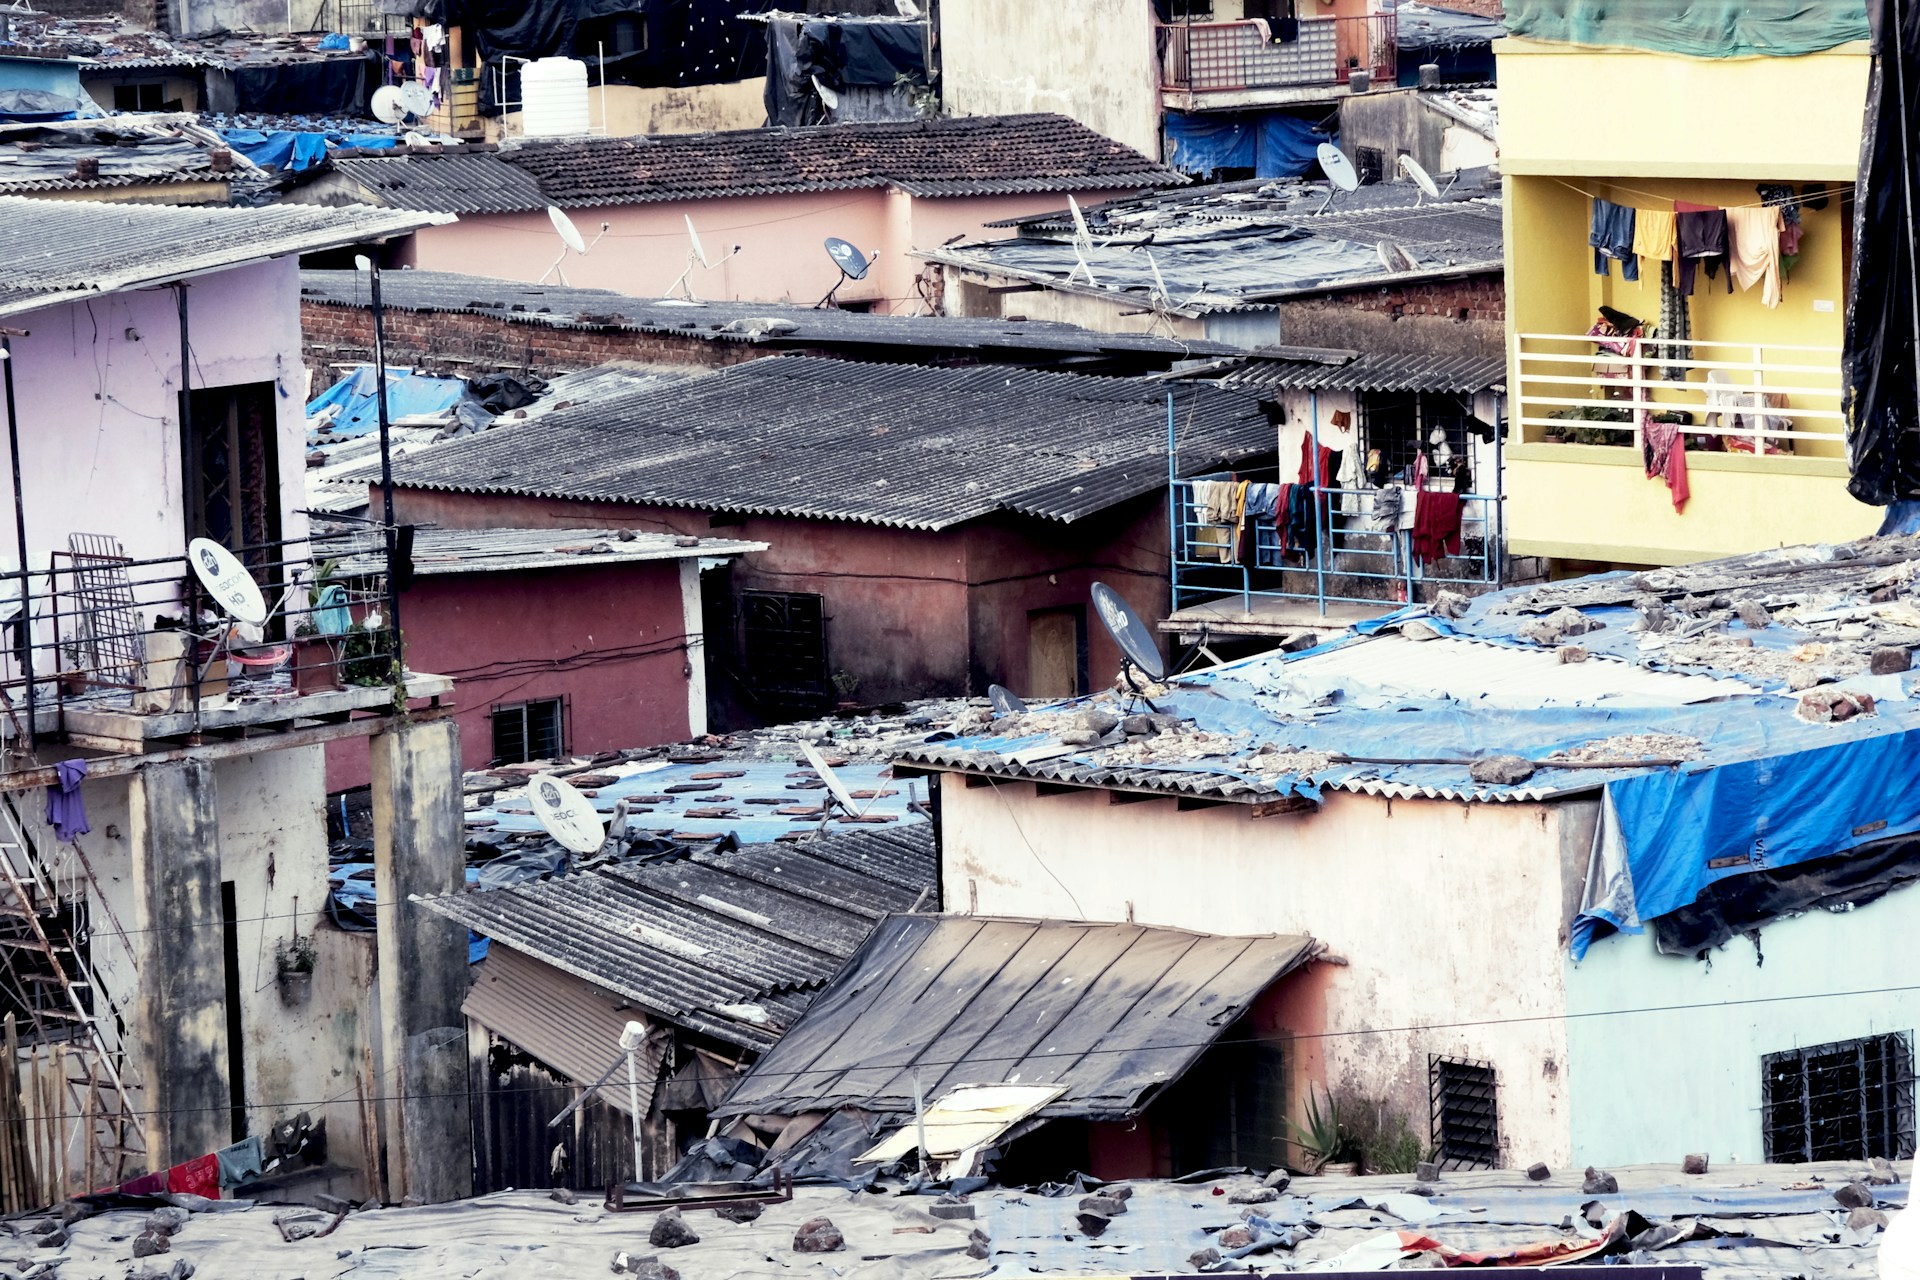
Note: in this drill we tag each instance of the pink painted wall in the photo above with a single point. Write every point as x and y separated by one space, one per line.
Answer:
469 625
97 384
910 613
781 257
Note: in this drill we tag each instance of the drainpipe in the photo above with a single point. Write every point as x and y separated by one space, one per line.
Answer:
1319 537
19 523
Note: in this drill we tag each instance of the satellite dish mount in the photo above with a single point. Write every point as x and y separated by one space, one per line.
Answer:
1340 173
696 257
1135 642
853 265
569 240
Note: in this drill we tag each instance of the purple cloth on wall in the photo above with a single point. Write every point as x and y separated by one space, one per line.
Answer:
66 810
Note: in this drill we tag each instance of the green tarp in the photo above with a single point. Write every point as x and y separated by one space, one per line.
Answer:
1700 29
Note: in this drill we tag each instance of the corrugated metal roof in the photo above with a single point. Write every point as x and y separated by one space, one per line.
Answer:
1367 371
439 552
1113 1013
480 182
707 940
908 446
55 250
771 325
569 1024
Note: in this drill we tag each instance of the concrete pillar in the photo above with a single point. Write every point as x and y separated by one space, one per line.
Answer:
182 1016
418 850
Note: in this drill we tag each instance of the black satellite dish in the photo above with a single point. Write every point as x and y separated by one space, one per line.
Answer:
1005 701
853 265
1137 649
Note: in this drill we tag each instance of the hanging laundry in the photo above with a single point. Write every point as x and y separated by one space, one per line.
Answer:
1655 238
1262 501
1663 447
1753 243
1387 505
197 1177
1436 525
1676 324
66 809
1700 233
1781 196
240 1163
1611 235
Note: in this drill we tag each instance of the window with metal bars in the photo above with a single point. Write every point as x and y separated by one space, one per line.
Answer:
1850 1100
526 731
1466 1128
783 647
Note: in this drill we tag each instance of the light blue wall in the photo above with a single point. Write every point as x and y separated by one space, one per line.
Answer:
40 73
1655 1086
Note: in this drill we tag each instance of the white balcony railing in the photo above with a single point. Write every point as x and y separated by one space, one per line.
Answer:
1759 397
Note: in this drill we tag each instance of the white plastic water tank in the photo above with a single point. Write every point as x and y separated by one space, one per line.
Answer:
553 98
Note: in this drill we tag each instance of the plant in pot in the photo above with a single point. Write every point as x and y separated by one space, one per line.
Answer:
366 653
293 962
1326 1144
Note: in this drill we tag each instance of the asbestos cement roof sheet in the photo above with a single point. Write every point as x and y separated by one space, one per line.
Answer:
478 182
1110 1013
767 324
54 251
441 552
899 445
1366 371
731 944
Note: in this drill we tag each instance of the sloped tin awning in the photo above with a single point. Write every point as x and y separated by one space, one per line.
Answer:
1109 1013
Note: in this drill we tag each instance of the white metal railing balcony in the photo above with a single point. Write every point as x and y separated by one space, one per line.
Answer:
1758 397
1219 57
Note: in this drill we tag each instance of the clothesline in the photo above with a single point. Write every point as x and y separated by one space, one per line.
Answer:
1799 200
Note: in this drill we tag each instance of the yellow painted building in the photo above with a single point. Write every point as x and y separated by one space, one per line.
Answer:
1645 129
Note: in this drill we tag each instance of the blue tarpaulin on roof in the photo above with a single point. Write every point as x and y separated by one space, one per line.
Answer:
407 393
296 151
1271 144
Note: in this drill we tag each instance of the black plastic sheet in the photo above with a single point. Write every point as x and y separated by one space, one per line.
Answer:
316 87
1742 904
1878 367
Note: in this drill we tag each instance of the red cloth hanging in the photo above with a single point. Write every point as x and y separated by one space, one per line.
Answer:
200 1177
1436 525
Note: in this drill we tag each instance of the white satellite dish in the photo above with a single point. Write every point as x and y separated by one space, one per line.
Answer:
416 98
699 250
227 581
568 232
1082 244
388 106
567 815
1339 169
827 96
835 787
1421 178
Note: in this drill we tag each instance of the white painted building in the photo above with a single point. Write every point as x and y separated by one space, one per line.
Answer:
1466 921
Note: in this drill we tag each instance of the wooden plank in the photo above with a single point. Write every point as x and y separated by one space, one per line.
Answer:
125 724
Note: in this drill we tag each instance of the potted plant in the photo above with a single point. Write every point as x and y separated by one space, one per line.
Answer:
294 959
1329 1149
366 653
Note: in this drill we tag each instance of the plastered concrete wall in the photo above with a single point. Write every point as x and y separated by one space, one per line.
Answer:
1092 60
782 255
611 640
1653 1086
272 835
98 383
1443 913
627 109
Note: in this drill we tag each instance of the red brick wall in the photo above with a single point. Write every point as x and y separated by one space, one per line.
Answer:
1450 317
1480 299
469 344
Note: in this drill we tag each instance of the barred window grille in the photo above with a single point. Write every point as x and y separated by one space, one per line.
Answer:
1848 1100
1466 1128
528 731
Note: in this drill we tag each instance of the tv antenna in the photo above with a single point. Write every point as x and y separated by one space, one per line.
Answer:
853 265
566 814
569 239
1429 190
1004 701
1339 171
1137 649
697 257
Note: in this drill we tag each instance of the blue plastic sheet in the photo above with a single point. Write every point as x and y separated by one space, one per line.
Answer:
1271 144
407 393
296 151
